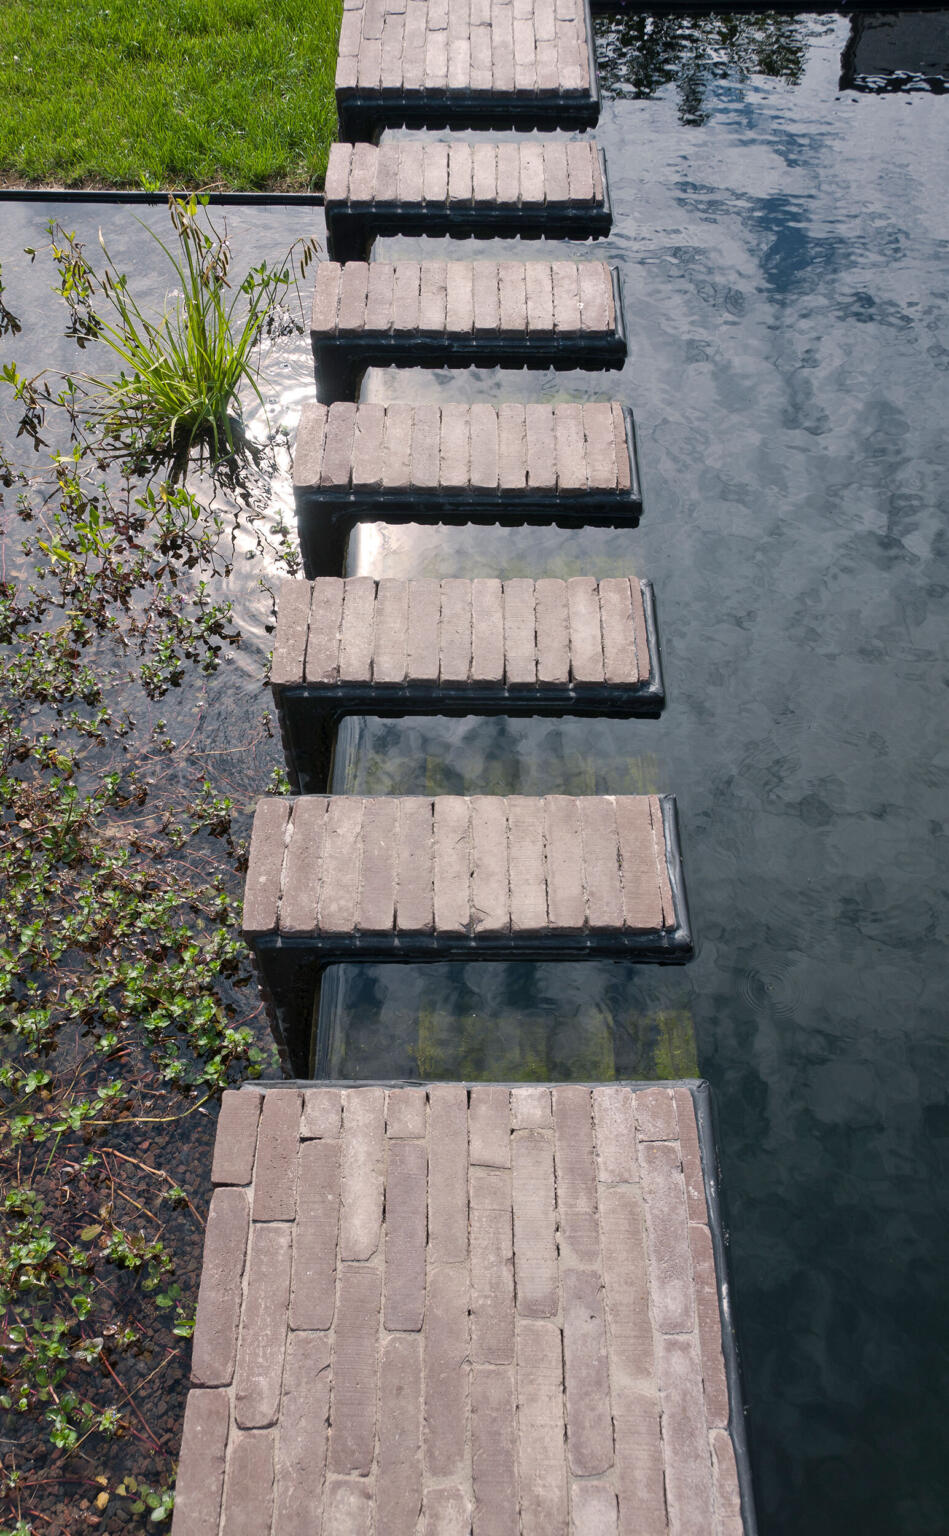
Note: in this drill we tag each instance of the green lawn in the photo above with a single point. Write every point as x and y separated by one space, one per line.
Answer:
186 93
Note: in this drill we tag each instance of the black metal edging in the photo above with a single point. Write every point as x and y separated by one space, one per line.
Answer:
140 197
701 1095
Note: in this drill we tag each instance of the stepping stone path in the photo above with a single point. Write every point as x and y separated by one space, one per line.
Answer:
512 63
433 314
456 1309
408 188
570 464
457 647
448 1310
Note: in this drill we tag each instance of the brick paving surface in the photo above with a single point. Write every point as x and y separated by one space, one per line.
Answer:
334 870
503 1317
457 52
486 451
483 301
453 634
459 176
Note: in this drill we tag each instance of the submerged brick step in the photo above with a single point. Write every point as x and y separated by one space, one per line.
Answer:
569 464
455 1308
456 646
410 187
538 314
500 63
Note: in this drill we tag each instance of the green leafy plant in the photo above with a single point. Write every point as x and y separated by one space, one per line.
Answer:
181 372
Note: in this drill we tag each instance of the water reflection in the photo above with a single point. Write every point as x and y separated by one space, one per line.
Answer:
639 54
897 51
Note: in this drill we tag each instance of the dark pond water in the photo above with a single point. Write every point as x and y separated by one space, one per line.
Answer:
783 243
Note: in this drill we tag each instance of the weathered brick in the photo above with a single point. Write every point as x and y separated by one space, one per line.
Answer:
519 633
553 633
460 173
389 631
355 642
614 1118
235 1140
530 1107
262 886
379 296
601 863
398 1483
489 1127
455 446
375 911
484 447
509 174
492 1266
425 446
433 293
629 1326
308 448
533 180
301 1442
564 277
435 174
406 288
586 646
725 1483
541 1458
643 661
322 1113
326 617
422 644
580 158
656 1118
355 1371
452 838
641 900
388 156
490 901
348 1507
512 446
535 1247
276 1168
445 1345
487 631
670 1264
512 297
410 172
586 1374
662 866
620 663
493 1469
691 1156
600 451
448 1178
416 879
565 892
455 641
405 1204
248 1494
596 296
406 1112
336 185
686 1453
337 465
339 876
709 1325
299 906
325 297
361 1172
638 1474
293 622
487 311
313 1292
446 1512
576 1174
214 1350
593 1507
201 1464
484 174
260 1356
541 448
353 285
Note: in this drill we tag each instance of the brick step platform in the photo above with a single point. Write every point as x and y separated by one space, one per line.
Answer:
342 877
464 1309
574 465
465 63
434 314
520 647
408 187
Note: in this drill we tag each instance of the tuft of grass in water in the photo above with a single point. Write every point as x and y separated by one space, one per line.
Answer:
192 94
181 371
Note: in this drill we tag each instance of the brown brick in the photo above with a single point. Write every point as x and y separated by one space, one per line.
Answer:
293 622
337 464
580 158
586 1375
235 1140
389 631
662 866
355 644
643 661
313 1294
527 875
565 280
725 1483
248 1496
326 617
446 1512
308 448
487 631
406 287
541 448
484 447
363 1160
576 1175
614 1117
452 837
601 863
593 1506
656 1118
489 1127
410 173
322 1113
300 903
276 1170
201 1464
348 1507
445 1344
301 1443
405 1205
262 886
379 296
710 1326
354 1371
448 1179
553 645
629 1327
685 1437
619 644
435 174
533 180
398 1490
490 901
535 1247
263 1327
214 1351
586 646
336 185
565 892
353 286
638 1474
493 1440
455 641
600 445
388 156
691 1156
339 882
541 1458
492 1266
641 900
670 1265
325 297
416 878
530 1107
406 1113
596 296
